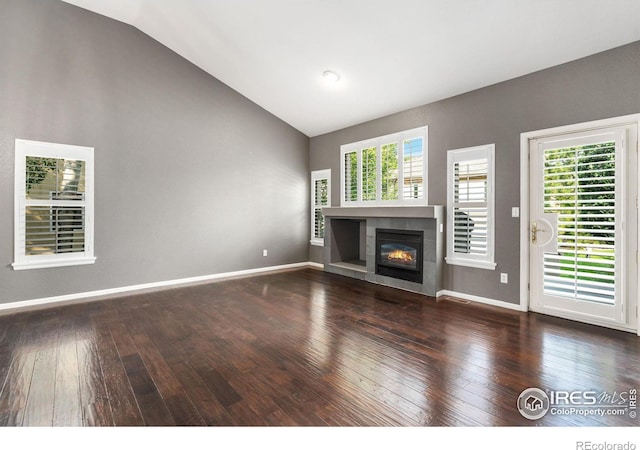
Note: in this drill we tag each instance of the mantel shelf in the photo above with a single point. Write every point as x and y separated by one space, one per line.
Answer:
421 212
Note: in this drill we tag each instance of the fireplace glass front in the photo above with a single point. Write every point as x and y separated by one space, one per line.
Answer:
399 254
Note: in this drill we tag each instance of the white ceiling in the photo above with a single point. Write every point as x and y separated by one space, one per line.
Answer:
391 54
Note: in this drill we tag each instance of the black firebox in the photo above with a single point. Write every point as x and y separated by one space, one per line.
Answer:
399 254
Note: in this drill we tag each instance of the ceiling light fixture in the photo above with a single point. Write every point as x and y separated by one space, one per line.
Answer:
330 76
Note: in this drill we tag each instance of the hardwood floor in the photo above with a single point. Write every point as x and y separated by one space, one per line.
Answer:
299 348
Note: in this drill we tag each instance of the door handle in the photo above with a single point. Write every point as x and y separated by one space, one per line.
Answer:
543 225
534 232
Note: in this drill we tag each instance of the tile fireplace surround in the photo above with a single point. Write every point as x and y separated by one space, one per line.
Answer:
350 242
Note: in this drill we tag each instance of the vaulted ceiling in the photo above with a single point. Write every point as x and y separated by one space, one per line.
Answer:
390 55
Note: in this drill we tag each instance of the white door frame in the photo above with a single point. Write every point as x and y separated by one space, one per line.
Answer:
524 194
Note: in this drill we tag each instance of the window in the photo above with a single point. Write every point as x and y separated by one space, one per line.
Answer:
470 207
388 170
413 163
53 205
320 197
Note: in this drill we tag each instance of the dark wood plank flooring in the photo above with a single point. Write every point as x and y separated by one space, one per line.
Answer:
299 348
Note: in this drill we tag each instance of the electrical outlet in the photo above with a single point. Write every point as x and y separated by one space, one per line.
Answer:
504 278
264 252
515 211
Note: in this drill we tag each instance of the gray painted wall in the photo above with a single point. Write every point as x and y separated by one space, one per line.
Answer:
600 86
191 178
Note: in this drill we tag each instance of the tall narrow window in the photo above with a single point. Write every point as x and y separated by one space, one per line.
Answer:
350 176
320 197
470 207
387 170
389 165
412 170
369 170
54 205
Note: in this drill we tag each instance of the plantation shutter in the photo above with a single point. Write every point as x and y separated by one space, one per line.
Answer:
580 188
53 205
389 170
369 172
386 170
350 177
320 201
320 197
413 168
470 205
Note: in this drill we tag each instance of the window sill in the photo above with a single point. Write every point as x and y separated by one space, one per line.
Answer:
317 242
471 263
53 263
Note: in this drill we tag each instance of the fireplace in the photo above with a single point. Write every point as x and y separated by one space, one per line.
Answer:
399 254
352 250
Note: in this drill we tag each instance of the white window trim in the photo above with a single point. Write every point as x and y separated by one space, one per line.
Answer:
24 148
464 154
378 142
324 174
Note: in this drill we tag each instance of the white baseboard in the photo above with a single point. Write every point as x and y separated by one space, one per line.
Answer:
18 306
316 265
484 300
